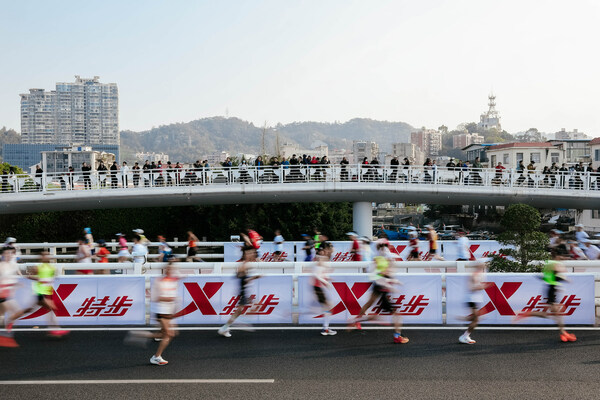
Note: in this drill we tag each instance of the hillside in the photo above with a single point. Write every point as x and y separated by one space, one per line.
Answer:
188 141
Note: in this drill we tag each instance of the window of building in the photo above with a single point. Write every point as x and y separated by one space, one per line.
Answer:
505 158
535 157
597 155
554 157
493 161
595 214
519 157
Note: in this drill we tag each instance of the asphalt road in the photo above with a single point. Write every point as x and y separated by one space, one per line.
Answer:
306 365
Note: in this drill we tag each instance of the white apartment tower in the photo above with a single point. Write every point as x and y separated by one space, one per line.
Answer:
84 112
362 149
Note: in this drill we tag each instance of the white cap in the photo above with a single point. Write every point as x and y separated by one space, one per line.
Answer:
579 226
138 231
120 234
11 240
351 234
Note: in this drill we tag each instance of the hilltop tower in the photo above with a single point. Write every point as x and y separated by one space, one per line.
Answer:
490 119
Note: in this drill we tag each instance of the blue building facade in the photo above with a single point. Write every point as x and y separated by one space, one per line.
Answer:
26 155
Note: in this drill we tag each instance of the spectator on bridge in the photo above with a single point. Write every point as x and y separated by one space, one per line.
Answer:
227 163
124 174
344 169
136 174
394 164
285 163
259 162
39 174
450 165
178 168
102 171
114 181
147 173
71 172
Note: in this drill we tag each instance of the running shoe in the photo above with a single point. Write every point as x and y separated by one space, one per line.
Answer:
466 339
401 339
328 332
224 331
158 361
6 341
58 333
567 337
135 339
9 327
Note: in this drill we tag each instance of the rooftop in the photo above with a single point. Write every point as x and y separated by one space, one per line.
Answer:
521 144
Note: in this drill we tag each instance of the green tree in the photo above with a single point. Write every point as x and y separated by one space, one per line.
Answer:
521 223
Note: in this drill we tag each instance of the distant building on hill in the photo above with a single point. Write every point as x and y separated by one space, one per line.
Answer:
464 139
362 149
429 141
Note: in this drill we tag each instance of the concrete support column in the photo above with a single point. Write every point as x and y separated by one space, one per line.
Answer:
362 218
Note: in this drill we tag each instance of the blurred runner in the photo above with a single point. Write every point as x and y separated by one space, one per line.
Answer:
474 300
102 256
464 253
123 249
383 284
164 296
164 250
84 256
278 242
355 249
89 240
44 274
143 239
309 245
139 251
192 250
9 275
553 275
322 282
432 237
248 256
414 246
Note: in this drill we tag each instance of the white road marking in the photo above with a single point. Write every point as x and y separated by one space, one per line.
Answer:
133 381
308 328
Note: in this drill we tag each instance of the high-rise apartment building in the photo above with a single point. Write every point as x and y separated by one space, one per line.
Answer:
410 151
428 140
362 149
80 113
84 112
462 140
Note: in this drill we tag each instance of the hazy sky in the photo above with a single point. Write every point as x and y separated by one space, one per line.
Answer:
427 63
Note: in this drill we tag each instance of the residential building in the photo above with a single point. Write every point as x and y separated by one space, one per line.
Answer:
60 160
216 158
595 152
336 155
480 150
287 150
362 149
574 135
429 141
408 150
84 112
491 118
576 150
152 157
541 153
464 139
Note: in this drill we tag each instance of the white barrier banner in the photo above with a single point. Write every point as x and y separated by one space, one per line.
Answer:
88 300
266 253
213 299
419 299
508 295
401 249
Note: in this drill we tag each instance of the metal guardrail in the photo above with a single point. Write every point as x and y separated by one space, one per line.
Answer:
457 176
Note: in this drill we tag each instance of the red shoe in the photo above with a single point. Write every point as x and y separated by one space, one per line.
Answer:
401 339
9 327
520 316
8 342
568 336
58 333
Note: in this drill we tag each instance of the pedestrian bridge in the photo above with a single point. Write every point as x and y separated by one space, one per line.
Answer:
360 184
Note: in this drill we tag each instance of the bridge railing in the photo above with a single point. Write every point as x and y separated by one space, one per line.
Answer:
262 175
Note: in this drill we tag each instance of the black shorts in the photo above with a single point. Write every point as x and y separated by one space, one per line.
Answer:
41 297
163 316
320 294
243 282
414 254
551 294
432 251
277 253
461 259
472 305
192 252
2 300
385 302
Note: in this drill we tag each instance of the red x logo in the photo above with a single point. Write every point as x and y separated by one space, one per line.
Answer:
397 250
472 249
349 297
499 298
200 298
58 296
